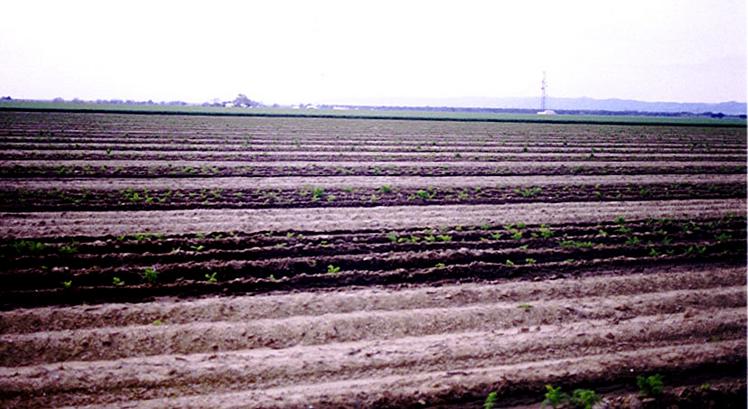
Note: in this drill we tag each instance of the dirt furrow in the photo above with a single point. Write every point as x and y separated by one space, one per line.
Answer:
246 308
432 388
113 343
171 375
87 223
300 182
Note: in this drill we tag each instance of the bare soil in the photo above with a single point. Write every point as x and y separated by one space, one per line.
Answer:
168 261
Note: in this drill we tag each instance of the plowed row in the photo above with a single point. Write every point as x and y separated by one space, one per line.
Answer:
388 264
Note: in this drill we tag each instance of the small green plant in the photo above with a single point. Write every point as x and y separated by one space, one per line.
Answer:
633 241
386 189
572 244
623 229
696 250
440 265
317 193
585 398
150 274
545 232
651 385
69 249
444 237
619 220
331 269
509 263
211 278
528 192
722 237
423 195
496 236
67 284
653 252
525 307
392 236
530 261
157 323
28 246
554 397
117 281
491 400
198 248
516 235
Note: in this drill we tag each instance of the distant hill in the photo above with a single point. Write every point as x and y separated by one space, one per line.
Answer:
571 104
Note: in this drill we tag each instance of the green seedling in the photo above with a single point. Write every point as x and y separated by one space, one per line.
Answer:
528 192
696 250
509 263
554 397
496 236
331 269
423 195
117 281
444 237
491 401
585 398
385 189
525 307
68 249
317 193
651 385
530 261
722 237
150 275
623 229
545 232
572 244
28 246
67 284
440 265
392 236
633 241
211 278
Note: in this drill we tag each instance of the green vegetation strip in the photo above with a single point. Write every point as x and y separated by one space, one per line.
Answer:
29 106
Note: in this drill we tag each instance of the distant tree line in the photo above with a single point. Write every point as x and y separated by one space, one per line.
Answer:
534 111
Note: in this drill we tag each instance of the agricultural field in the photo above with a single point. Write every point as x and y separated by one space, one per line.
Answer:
272 262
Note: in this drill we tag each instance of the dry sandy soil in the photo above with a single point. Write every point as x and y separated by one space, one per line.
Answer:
303 302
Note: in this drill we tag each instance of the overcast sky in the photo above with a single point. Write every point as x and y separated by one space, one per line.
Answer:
339 51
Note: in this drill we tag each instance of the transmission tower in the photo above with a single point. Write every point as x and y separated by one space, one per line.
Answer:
542 93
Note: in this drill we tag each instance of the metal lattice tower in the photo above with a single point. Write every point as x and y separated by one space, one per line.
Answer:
542 93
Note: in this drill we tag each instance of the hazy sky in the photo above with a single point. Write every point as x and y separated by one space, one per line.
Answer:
335 51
